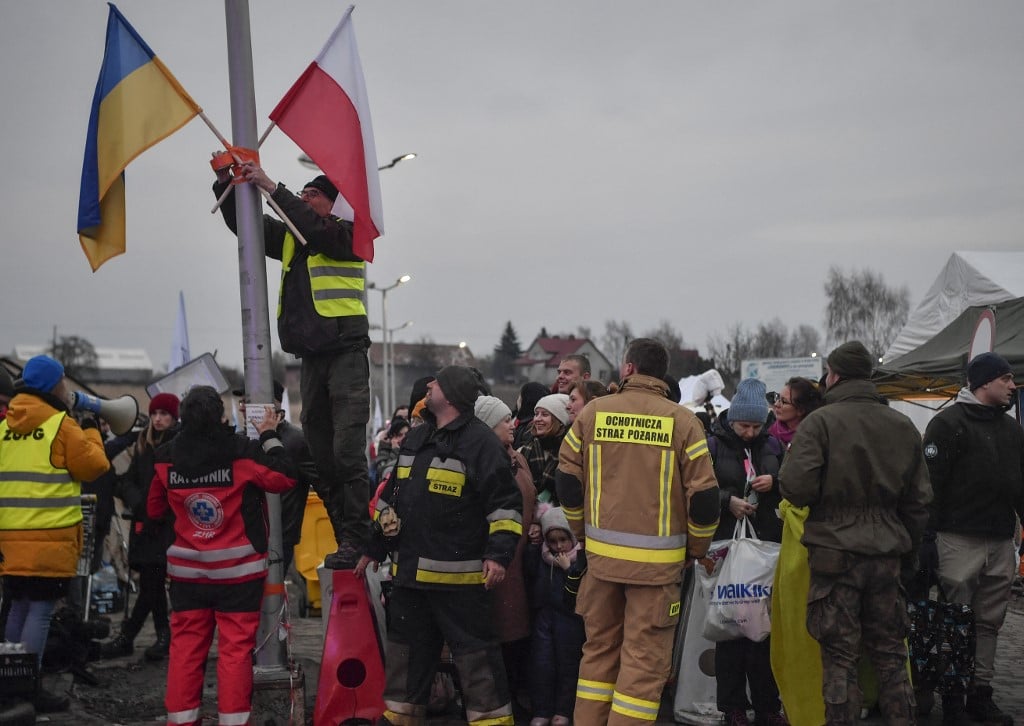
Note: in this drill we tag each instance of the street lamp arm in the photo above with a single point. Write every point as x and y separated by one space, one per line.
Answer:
403 157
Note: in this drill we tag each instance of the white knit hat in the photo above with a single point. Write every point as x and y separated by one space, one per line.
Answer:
557 404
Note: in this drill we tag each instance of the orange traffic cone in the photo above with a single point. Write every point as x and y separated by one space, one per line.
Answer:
351 670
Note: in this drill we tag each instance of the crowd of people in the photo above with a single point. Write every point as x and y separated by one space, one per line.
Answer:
541 543
608 527
545 546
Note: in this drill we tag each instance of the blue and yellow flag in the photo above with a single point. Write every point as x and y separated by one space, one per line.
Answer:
137 104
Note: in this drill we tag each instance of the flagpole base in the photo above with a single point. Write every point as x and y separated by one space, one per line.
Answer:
278 695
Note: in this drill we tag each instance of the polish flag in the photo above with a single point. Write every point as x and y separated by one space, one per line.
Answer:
327 114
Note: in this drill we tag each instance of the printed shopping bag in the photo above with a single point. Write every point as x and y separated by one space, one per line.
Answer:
942 639
739 603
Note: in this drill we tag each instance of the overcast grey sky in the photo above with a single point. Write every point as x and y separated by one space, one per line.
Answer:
703 163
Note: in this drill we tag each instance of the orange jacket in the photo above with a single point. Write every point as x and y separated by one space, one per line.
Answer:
51 552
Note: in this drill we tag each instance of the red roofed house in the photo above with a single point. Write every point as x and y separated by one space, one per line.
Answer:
540 361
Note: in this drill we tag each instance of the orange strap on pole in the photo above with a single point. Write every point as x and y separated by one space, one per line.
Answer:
275 588
233 158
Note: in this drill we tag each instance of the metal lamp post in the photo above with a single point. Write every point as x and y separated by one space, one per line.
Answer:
391 360
384 335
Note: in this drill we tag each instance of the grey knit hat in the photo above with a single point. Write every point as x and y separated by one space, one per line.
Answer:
491 410
749 404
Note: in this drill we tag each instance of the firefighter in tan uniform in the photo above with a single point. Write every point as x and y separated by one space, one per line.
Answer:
638 488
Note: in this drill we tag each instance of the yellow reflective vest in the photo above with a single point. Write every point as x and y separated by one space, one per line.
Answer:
337 286
34 494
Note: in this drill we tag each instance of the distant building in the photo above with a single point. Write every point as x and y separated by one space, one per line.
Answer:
413 361
113 365
540 361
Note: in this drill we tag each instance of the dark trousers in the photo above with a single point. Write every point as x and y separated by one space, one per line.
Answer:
556 652
422 621
335 411
855 602
739 662
293 511
152 599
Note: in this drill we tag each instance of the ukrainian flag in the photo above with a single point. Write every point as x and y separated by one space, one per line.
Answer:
137 104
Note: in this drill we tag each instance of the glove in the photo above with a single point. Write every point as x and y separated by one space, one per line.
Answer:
88 422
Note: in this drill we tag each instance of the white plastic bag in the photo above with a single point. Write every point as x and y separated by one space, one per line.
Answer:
740 597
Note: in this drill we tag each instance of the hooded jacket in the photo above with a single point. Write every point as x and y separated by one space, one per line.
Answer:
44 551
728 451
550 585
860 467
975 456
214 486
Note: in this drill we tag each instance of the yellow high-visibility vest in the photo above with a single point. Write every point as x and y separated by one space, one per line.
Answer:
337 286
34 494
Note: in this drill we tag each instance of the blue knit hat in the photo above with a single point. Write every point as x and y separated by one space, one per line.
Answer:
749 402
42 373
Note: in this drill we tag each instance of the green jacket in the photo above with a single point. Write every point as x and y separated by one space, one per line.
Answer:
860 468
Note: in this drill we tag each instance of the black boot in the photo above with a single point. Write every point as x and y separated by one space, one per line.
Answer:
121 645
953 712
981 708
162 646
346 558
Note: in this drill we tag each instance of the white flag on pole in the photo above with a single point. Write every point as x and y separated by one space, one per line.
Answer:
180 354
378 417
286 404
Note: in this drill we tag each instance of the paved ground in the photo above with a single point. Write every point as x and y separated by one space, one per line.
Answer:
131 689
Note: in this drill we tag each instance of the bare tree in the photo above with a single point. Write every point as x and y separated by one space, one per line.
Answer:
728 351
803 341
770 340
668 335
76 354
862 307
617 334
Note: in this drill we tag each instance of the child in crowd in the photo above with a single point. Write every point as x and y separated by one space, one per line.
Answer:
555 565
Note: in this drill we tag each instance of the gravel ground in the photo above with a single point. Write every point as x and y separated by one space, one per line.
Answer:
131 690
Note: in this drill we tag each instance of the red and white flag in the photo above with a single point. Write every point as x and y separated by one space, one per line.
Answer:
327 114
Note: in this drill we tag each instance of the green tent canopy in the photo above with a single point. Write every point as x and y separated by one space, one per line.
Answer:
937 366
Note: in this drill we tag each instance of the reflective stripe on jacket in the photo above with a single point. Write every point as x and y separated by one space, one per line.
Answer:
458 502
337 286
639 458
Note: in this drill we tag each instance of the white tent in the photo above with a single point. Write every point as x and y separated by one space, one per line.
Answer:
969 279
